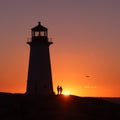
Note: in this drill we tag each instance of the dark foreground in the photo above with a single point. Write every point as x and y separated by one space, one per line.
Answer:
23 107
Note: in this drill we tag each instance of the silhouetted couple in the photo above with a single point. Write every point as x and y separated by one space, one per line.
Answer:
59 90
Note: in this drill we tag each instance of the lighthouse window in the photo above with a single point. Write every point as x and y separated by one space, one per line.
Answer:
36 33
42 34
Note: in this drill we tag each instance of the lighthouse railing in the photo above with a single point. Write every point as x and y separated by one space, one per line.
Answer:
29 39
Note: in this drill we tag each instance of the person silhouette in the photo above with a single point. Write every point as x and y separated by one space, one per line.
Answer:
60 89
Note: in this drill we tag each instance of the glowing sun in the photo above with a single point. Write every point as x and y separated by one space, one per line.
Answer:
66 93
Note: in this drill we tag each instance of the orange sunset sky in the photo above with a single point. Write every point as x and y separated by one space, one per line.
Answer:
85 56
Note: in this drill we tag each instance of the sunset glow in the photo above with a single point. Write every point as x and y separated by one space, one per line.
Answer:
66 93
85 54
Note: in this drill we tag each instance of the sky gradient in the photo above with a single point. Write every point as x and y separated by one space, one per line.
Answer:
85 56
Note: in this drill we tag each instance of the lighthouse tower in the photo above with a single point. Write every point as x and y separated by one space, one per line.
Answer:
39 80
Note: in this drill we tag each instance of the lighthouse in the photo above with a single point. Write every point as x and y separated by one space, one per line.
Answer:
39 81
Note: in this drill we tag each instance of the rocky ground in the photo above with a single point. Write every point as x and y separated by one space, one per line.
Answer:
24 107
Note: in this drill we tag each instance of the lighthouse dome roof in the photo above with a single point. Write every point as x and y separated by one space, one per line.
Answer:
39 27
